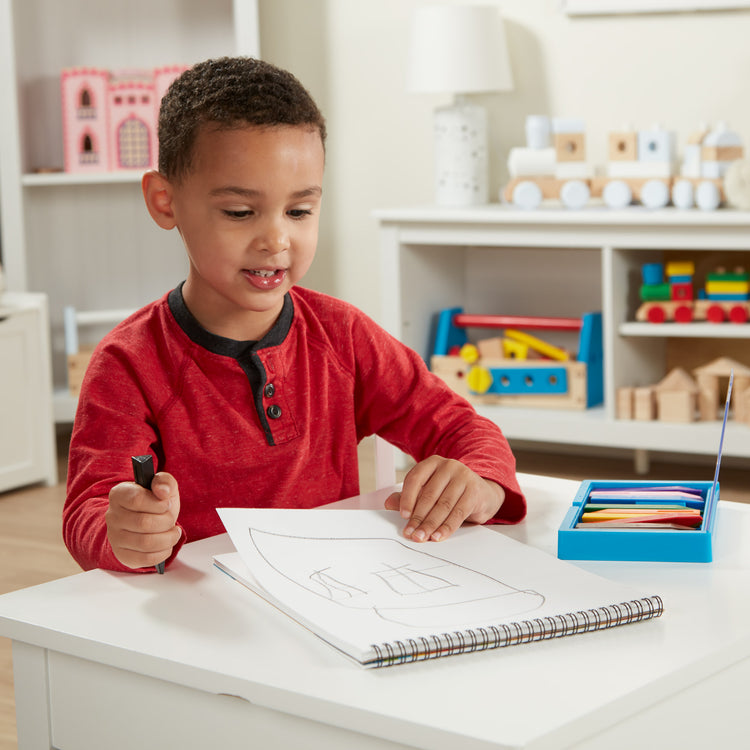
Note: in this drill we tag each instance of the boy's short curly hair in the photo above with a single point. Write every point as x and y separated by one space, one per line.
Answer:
229 92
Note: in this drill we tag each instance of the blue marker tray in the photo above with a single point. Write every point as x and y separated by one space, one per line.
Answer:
576 542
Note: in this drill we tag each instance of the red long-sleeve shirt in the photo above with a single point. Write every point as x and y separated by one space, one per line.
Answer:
273 423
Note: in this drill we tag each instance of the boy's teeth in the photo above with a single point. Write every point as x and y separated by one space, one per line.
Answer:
264 273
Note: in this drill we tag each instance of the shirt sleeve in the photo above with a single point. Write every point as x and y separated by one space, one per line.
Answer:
402 401
113 422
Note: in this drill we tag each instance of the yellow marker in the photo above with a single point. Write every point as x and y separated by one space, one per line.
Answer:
479 379
553 352
469 353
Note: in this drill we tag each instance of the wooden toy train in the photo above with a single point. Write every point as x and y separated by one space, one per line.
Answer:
726 296
641 167
520 369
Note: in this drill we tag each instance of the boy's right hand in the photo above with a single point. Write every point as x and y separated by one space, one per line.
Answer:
142 524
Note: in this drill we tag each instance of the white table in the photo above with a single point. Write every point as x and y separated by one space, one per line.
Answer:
193 660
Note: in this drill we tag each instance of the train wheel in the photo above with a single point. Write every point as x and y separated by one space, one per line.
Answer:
617 194
683 314
656 314
715 314
655 194
575 194
683 194
707 196
738 314
527 195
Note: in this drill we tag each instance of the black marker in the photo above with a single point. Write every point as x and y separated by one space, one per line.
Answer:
143 472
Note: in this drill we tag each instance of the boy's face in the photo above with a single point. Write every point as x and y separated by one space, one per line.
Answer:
248 216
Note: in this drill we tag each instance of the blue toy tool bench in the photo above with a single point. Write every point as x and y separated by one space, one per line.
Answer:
577 383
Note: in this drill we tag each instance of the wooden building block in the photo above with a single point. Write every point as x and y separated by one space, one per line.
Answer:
491 347
570 146
675 406
741 398
623 146
721 153
624 405
708 396
644 404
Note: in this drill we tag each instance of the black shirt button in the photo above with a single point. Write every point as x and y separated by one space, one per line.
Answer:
269 390
274 411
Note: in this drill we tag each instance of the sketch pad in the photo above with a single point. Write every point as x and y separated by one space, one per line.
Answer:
350 577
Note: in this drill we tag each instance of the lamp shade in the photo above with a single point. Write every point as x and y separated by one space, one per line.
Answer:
459 49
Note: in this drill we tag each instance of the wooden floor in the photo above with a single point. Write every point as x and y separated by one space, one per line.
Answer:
32 552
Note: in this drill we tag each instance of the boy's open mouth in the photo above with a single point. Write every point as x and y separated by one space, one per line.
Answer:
265 278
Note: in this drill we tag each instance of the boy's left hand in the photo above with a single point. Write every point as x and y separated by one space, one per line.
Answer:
439 494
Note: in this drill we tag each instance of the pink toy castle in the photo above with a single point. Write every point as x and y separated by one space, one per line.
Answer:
110 118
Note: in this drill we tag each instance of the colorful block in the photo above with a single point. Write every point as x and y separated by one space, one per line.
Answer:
652 273
656 292
681 291
681 268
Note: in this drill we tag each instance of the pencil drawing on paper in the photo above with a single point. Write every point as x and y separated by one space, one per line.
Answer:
397 582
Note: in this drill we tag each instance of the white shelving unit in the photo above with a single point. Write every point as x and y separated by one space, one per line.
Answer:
27 436
87 240
498 260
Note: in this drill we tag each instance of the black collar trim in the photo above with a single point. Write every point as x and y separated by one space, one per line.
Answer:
224 346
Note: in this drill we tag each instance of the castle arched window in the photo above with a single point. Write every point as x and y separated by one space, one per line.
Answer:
133 144
86 109
87 153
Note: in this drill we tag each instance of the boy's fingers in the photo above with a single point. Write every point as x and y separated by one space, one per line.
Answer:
393 501
435 506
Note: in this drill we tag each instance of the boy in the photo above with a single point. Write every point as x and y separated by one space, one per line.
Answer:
247 389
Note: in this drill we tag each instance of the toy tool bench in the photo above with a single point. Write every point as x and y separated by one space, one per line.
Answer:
519 368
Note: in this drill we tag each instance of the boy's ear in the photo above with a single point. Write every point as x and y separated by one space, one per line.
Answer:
157 192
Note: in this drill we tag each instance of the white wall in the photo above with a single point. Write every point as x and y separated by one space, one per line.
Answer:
676 69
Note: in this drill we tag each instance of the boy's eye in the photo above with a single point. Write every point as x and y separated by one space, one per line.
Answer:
299 213
242 214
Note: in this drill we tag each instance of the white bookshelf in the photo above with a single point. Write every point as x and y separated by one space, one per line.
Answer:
87 240
498 260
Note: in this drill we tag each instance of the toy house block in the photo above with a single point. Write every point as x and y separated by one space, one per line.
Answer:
494 347
676 397
623 146
624 404
644 404
708 378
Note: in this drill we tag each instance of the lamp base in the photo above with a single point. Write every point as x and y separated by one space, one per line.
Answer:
461 161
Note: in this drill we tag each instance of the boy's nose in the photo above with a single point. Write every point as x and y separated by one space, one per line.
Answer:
275 238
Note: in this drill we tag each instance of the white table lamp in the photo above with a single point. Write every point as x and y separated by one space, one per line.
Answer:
459 49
